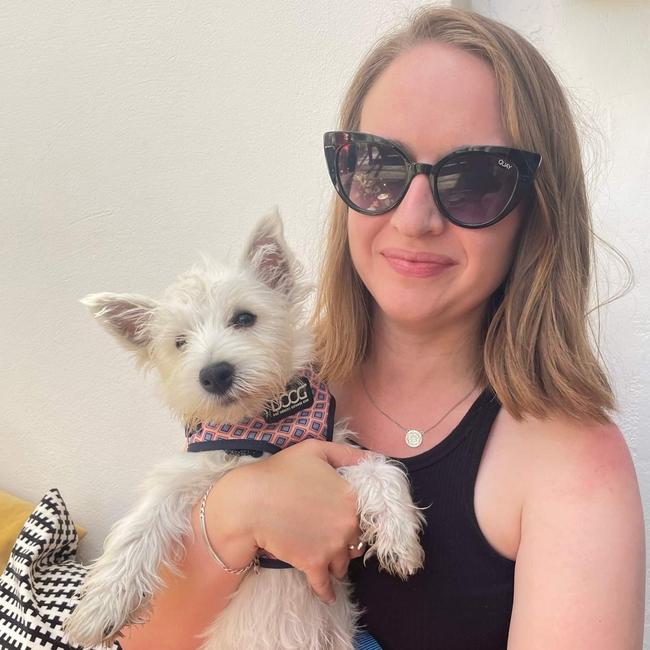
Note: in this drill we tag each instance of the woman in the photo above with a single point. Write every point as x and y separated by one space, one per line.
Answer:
451 327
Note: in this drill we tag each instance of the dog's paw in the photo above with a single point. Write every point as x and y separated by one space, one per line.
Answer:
90 624
390 523
396 542
100 616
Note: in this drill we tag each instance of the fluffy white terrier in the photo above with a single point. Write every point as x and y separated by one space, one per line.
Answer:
226 343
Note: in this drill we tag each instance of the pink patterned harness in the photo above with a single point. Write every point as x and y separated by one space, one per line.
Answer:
305 410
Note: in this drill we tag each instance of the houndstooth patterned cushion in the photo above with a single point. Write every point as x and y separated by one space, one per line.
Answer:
37 589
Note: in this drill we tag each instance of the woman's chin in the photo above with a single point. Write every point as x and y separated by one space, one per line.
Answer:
420 316
408 315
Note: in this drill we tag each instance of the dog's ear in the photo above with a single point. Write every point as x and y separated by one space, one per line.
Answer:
268 254
124 315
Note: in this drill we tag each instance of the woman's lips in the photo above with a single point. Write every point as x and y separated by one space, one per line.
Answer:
416 264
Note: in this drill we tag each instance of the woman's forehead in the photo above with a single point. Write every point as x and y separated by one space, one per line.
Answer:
433 98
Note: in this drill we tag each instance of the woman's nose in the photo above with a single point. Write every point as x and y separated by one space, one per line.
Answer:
417 214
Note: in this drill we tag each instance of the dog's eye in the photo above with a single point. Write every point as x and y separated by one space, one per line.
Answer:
181 342
244 319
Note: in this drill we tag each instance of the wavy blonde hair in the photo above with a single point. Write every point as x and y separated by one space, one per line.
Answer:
537 352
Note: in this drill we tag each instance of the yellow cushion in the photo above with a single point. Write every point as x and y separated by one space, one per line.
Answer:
14 512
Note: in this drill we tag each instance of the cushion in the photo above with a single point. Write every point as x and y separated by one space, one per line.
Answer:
13 514
38 586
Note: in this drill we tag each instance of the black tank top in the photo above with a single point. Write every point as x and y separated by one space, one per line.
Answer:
462 598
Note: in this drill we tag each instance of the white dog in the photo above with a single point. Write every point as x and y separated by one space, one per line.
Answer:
233 350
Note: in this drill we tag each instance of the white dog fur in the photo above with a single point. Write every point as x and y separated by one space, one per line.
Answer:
191 327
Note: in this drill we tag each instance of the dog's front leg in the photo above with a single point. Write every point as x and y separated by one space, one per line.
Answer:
390 523
120 583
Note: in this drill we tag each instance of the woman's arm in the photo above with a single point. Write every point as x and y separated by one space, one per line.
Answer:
193 597
580 571
294 504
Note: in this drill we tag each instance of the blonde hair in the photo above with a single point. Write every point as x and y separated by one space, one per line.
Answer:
537 354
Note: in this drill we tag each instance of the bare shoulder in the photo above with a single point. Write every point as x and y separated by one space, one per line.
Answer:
582 539
583 457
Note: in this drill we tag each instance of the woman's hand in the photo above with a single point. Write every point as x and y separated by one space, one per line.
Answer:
299 509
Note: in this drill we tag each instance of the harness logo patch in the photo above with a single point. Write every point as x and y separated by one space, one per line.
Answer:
297 397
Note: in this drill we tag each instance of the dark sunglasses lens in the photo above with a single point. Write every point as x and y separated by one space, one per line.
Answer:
372 175
474 187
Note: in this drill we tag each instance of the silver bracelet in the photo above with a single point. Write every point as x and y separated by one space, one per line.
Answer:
254 563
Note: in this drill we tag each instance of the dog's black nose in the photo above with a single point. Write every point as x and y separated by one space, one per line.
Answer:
217 377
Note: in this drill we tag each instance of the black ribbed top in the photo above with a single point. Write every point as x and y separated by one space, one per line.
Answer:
462 598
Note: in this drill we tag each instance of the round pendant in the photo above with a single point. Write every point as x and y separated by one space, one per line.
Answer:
413 438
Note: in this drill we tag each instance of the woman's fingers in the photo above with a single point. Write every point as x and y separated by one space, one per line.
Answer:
320 576
356 549
305 512
338 455
339 566
321 582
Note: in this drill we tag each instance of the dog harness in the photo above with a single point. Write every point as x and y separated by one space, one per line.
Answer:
305 410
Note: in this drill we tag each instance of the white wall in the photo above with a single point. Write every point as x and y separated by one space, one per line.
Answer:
136 134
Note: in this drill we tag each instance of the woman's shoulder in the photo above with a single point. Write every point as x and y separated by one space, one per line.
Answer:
559 450
565 444
581 534
571 464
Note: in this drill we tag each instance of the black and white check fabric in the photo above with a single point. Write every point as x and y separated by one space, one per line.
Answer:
38 587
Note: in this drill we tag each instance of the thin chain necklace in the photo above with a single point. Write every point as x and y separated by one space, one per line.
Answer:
412 437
